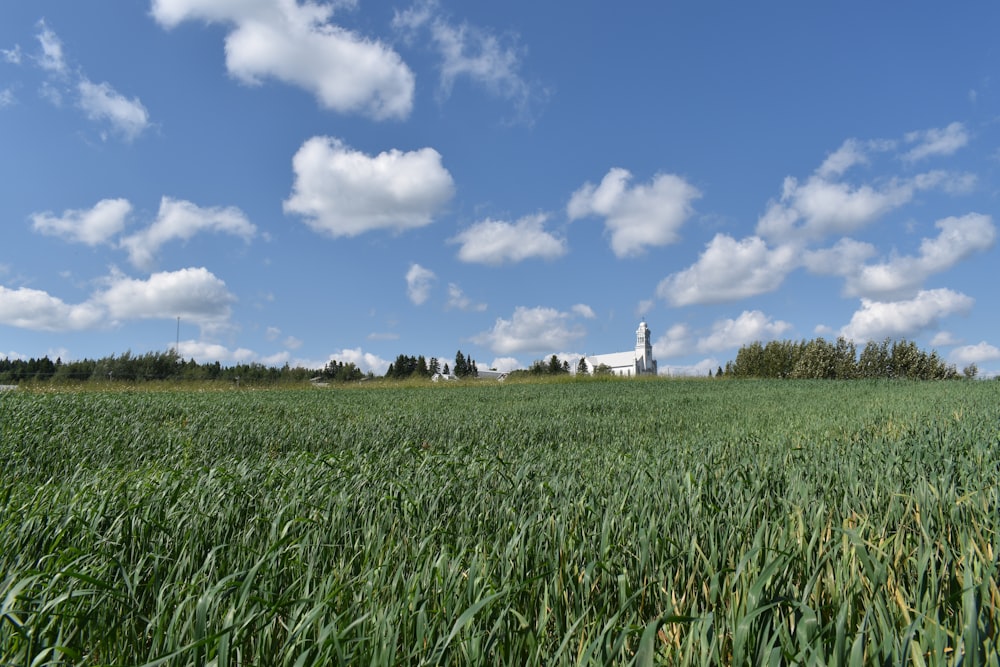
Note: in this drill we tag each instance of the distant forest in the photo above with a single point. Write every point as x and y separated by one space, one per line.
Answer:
816 359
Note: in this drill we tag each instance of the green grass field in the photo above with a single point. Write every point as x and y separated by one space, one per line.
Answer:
593 522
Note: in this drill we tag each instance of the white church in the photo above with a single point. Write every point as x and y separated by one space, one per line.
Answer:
639 361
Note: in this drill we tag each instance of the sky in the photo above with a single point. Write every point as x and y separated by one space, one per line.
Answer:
293 181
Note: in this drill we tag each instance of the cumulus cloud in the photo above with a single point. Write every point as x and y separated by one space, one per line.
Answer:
843 259
418 283
39 311
181 220
470 52
825 205
92 227
960 237
751 325
7 98
343 192
729 270
876 320
583 310
495 242
298 44
936 141
12 56
537 329
101 102
365 361
207 352
636 217
194 294
678 341
979 353
459 301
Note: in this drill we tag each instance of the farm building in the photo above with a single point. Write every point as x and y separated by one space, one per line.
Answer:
639 361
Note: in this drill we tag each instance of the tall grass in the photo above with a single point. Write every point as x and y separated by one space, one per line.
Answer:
665 522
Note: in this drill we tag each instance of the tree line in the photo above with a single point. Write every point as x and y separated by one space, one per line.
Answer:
150 366
840 360
420 367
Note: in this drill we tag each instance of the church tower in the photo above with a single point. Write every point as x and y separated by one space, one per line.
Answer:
644 362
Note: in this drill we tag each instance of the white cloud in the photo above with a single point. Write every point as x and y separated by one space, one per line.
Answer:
751 325
272 333
91 227
207 352
365 361
960 237
531 330
936 141
193 294
52 58
843 259
583 310
418 283
506 364
974 354
292 343
7 98
12 56
459 301
343 192
178 219
827 208
676 342
467 51
101 102
638 217
945 339
296 43
494 242
729 270
39 311
823 205
903 319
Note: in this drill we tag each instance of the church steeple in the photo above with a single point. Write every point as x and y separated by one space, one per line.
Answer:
644 350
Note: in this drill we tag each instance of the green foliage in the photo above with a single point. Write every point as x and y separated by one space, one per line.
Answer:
820 359
565 523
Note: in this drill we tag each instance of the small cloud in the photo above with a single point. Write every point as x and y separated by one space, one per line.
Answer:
101 102
945 339
343 192
297 43
876 320
638 217
92 227
459 301
178 219
936 141
729 270
12 56
751 325
583 310
531 330
51 58
494 242
979 353
272 333
292 343
418 283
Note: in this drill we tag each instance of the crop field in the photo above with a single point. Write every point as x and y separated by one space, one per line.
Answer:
677 522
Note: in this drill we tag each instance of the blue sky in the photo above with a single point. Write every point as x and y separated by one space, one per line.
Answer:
305 181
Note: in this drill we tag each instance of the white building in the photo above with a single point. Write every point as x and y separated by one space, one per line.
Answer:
639 361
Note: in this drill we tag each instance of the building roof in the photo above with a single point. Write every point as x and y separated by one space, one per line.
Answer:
614 360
